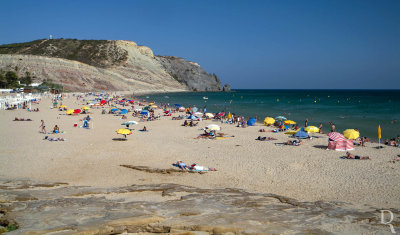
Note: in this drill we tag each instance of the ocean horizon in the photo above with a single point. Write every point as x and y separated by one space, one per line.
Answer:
364 109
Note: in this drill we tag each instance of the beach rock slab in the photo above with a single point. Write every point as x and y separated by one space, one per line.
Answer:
173 209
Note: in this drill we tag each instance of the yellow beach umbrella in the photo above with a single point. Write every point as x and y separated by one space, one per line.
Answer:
151 103
351 134
269 121
290 122
85 108
70 111
63 106
229 115
312 129
124 132
153 106
290 132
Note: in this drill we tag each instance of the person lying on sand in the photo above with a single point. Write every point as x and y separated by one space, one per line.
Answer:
54 139
293 142
22 119
180 164
195 167
265 138
351 156
261 130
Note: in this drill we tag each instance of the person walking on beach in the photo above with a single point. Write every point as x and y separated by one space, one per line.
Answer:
43 127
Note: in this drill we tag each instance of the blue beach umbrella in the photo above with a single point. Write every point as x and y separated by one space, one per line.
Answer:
251 121
280 118
192 117
123 111
114 110
144 112
301 135
177 105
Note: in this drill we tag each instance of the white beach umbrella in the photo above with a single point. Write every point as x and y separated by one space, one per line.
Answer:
198 113
129 123
210 115
213 127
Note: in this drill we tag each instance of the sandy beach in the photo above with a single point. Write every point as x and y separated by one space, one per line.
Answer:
90 157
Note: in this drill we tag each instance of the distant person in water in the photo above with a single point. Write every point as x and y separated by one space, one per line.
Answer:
306 123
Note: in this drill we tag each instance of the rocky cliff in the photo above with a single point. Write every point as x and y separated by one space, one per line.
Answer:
87 65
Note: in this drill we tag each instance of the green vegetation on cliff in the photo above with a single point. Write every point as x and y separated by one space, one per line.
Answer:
99 53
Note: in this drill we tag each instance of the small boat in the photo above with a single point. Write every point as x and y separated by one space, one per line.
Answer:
166 97
205 98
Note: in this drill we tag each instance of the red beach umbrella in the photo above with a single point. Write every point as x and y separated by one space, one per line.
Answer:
102 102
336 136
77 111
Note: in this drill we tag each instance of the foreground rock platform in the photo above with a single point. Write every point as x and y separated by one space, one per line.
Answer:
57 208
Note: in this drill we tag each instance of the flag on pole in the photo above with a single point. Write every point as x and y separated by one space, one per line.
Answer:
379 136
379 132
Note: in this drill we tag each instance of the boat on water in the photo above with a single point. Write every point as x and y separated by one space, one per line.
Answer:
205 98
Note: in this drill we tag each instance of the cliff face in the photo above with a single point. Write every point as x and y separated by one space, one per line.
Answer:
86 65
190 74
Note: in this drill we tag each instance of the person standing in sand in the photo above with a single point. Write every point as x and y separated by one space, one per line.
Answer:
333 127
320 129
43 127
306 123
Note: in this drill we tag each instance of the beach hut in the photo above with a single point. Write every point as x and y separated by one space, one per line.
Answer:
338 142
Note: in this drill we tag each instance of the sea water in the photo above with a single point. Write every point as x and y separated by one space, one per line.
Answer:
347 109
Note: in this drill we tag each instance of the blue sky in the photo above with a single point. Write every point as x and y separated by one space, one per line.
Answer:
249 44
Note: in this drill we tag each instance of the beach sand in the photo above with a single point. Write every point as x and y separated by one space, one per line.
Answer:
92 158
